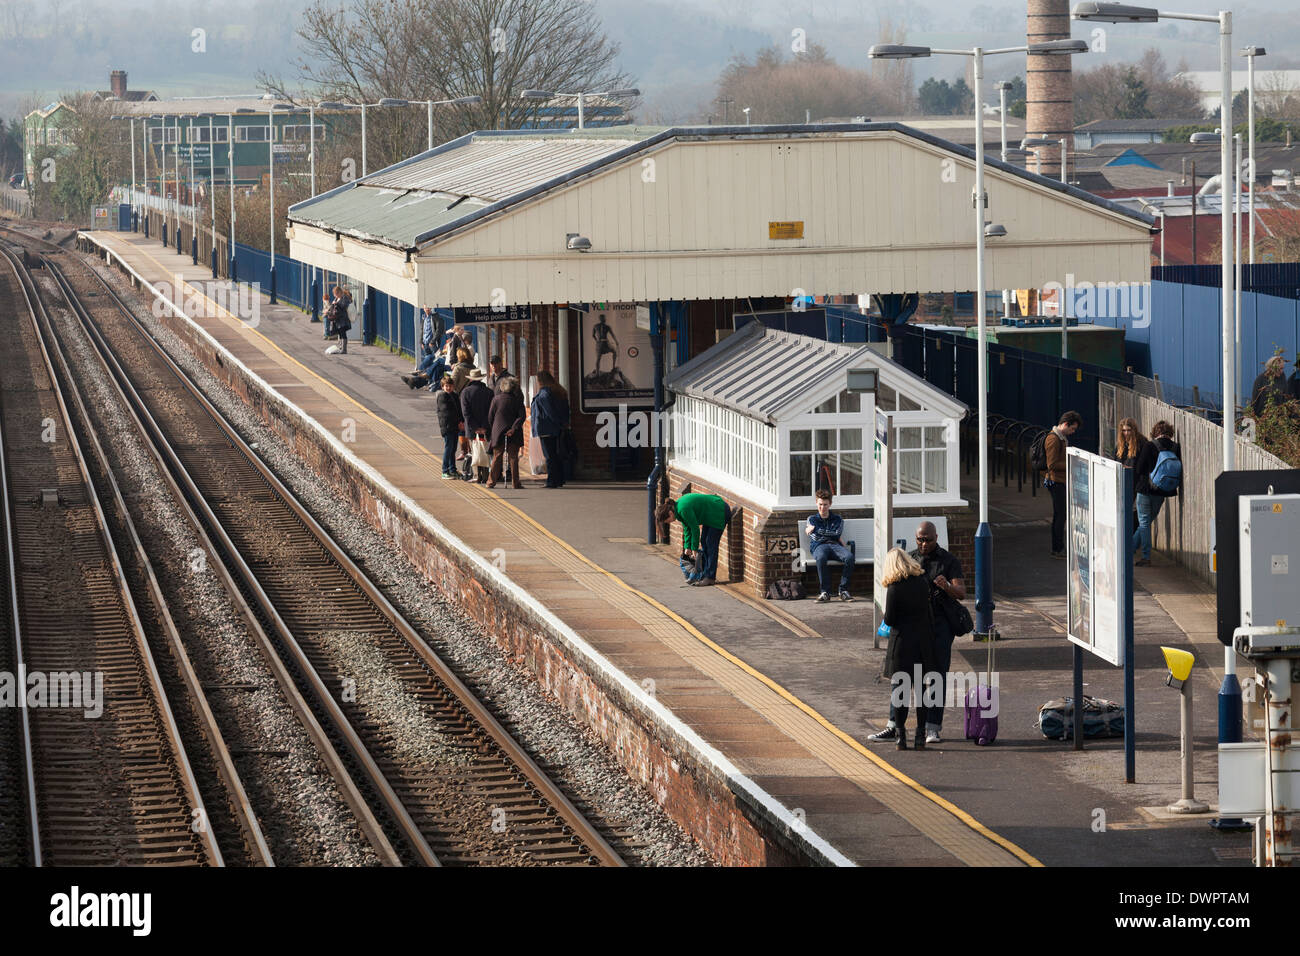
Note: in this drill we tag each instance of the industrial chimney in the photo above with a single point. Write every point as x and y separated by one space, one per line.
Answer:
1049 91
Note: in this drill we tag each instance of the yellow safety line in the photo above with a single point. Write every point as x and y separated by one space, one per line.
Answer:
847 738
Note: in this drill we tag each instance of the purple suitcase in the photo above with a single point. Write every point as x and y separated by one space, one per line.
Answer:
982 706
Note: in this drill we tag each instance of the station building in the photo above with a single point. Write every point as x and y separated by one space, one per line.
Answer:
614 256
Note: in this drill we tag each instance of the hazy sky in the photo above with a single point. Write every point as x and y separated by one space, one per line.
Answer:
673 48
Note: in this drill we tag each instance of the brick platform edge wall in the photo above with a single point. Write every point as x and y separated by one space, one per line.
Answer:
726 815
758 547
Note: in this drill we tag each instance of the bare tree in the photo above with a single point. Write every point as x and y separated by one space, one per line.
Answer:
444 49
785 91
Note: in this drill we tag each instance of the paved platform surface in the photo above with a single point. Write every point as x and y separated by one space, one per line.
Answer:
787 690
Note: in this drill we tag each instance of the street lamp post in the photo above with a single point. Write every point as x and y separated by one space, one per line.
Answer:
1230 692
984 535
231 274
1002 86
144 131
547 95
194 226
212 191
458 101
1250 53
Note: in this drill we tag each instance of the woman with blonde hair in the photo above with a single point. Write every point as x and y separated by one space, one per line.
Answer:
911 642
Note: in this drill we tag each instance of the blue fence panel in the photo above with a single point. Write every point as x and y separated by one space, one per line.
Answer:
1005 392
940 364
1079 393
967 372
1040 385
1275 324
408 333
909 351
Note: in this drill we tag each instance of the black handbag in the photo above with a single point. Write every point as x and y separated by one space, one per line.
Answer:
959 619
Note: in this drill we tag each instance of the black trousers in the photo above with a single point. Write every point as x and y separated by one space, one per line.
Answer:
1057 491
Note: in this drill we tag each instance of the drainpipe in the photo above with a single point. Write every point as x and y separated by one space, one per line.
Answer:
657 345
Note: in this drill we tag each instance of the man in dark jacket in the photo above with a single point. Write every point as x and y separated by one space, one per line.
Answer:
476 406
944 573
1149 498
507 416
1054 446
449 421
550 422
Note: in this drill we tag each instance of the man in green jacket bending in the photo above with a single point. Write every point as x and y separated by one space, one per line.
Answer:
703 518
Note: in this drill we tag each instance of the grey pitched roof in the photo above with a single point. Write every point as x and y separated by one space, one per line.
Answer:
769 375
491 170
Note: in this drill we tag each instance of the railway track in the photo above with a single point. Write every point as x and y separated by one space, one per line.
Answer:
106 778
449 785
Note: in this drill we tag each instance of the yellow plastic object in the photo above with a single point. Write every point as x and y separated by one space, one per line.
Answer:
1179 662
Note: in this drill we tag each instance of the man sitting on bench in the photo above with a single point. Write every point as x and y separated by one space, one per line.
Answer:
826 536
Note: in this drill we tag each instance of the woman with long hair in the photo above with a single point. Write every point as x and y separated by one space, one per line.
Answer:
1129 443
911 642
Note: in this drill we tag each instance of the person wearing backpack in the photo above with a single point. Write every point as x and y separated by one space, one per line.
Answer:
1157 475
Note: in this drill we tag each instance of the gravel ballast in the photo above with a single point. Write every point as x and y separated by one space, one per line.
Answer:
578 761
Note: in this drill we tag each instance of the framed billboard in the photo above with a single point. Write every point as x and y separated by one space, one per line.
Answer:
617 359
1096 552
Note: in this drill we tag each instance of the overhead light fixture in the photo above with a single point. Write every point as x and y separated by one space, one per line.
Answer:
1204 137
994 230
1115 13
577 243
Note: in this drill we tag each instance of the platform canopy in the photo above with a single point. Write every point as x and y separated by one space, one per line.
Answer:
637 214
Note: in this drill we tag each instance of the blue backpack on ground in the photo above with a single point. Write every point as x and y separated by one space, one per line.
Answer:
1167 475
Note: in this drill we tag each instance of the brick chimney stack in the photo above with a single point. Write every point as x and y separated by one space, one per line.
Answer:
1049 89
117 83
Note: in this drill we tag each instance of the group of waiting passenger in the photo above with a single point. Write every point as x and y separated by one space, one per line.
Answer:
488 408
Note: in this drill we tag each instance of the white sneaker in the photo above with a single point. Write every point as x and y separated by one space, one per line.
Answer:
333 350
823 598
932 737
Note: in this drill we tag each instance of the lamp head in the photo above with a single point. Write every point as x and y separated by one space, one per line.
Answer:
1114 13
1058 47
895 51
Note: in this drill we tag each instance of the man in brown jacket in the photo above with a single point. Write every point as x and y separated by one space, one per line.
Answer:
1054 446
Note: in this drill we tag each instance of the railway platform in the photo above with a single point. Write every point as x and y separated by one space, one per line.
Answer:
724 706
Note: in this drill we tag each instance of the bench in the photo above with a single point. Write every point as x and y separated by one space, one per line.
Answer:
860 537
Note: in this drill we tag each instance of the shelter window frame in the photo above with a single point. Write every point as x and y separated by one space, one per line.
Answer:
163 134
926 458
726 444
301 132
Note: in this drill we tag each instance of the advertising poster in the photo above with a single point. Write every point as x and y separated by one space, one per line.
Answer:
1107 553
617 360
1078 547
1096 550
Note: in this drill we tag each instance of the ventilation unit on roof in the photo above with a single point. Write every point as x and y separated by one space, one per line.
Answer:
1283 178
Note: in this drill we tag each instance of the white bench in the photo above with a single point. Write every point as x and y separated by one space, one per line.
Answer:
860 537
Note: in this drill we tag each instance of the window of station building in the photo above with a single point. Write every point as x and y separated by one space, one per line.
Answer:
888 400
164 134
204 134
251 134
301 133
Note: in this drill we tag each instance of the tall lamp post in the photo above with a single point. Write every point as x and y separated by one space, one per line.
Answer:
1250 53
194 225
458 101
984 535
548 95
1002 86
1230 692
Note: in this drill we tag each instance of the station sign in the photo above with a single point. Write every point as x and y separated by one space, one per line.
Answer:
484 314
